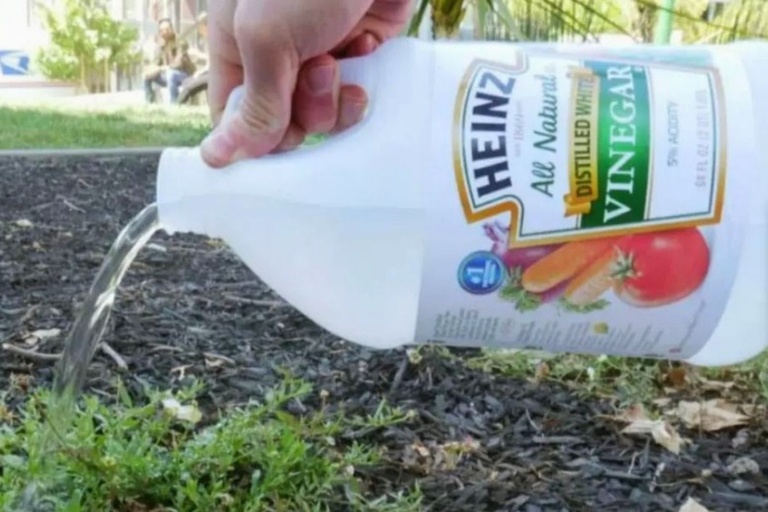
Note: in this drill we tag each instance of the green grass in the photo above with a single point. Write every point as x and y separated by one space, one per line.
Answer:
630 380
46 126
129 457
134 454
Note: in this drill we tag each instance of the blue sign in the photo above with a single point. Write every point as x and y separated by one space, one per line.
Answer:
481 272
14 63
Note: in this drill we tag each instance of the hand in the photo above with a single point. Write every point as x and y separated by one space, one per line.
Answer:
284 52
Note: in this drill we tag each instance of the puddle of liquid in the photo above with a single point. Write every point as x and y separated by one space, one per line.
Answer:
80 347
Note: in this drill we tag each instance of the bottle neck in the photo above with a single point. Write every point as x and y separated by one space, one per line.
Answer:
188 190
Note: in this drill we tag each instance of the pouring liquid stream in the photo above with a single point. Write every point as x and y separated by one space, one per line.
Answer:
80 346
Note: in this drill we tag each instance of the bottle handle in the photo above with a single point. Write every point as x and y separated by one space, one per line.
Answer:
359 71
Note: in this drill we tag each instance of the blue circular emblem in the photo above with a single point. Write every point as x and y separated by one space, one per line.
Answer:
481 272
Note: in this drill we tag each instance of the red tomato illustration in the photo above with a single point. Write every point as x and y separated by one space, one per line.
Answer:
659 268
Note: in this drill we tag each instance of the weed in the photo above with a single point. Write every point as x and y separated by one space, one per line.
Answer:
626 380
128 458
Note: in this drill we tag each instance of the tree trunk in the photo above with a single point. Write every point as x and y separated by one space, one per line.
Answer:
106 76
83 76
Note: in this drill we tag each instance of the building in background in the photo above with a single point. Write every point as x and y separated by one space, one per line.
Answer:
19 36
22 33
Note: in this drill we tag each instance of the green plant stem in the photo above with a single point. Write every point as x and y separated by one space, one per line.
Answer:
664 23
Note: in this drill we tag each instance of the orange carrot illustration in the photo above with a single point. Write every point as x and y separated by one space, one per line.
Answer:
589 284
564 263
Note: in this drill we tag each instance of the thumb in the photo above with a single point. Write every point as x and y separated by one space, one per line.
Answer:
259 123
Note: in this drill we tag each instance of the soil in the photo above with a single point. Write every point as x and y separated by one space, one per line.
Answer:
539 446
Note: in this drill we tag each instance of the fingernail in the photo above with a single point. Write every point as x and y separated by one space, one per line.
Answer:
320 79
217 149
369 43
352 112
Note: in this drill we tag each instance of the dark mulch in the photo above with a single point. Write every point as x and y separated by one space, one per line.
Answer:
540 447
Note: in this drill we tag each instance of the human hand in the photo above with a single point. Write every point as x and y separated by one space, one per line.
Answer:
284 53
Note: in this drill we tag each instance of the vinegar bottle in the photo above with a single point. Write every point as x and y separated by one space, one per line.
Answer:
568 198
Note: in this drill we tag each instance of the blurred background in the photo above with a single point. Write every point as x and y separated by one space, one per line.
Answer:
66 58
66 47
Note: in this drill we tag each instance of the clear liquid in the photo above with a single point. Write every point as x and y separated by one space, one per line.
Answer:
81 345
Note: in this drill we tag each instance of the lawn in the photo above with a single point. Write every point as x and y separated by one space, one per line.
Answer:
48 126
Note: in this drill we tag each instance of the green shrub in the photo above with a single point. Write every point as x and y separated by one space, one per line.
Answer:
86 44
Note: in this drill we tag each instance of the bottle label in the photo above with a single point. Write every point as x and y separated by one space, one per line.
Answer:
586 202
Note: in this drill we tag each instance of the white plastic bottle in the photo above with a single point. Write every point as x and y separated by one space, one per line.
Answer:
569 198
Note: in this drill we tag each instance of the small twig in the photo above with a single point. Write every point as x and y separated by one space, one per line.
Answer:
72 206
117 358
619 475
254 302
656 475
632 463
28 314
42 206
557 440
164 348
233 286
530 420
41 356
211 355
399 375
30 354
12 312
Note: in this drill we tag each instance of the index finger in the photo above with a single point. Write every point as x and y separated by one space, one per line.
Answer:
224 77
225 68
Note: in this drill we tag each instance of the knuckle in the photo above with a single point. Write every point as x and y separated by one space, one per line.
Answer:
249 31
262 114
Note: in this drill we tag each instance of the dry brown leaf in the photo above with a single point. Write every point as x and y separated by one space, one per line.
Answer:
432 456
39 335
21 381
751 410
181 370
213 363
741 438
716 385
635 412
711 415
6 416
188 413
663 433
744 465
691 505
678 376
421 450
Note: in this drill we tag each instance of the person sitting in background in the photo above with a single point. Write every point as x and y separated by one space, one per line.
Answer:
171 64
201 52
